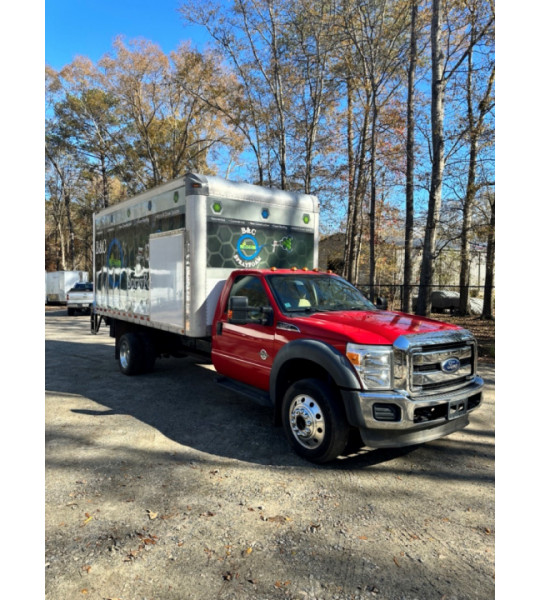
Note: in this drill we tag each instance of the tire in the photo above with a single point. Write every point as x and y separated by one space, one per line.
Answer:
314 421
149 353
131 354
71 312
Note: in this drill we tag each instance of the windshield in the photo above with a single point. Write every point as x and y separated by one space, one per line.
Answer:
315 293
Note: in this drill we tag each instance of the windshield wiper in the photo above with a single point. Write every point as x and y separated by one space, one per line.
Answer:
307 309
347 307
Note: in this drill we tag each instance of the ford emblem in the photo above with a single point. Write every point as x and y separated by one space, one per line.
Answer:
451 365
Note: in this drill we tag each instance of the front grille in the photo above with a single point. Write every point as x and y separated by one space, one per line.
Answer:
442 366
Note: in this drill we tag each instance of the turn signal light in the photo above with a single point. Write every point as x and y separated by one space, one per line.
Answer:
355 358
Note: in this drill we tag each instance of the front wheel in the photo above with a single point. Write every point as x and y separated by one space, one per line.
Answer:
314 420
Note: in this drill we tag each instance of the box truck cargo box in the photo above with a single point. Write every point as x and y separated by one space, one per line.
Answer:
161 257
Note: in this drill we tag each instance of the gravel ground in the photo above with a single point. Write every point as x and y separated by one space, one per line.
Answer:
167 486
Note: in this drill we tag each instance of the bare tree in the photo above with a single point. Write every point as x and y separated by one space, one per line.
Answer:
409 184
475 125
487 309
376 31
443 68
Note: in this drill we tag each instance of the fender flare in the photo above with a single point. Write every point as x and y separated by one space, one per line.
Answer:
321 353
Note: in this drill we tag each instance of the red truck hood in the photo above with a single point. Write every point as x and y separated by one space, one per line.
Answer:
366 327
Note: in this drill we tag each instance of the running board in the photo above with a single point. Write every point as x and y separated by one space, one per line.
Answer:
258 396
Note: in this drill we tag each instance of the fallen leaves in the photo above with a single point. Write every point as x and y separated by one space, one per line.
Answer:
89 517
145 540
277 519
151 540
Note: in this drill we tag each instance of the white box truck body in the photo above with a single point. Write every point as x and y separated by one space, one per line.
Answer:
161 258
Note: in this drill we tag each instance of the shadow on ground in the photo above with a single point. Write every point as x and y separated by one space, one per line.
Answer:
181 400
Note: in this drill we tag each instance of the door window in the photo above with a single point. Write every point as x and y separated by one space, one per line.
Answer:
252 288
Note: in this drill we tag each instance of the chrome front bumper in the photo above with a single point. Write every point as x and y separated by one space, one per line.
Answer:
416 420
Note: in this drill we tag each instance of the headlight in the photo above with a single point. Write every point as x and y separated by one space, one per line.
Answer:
373 364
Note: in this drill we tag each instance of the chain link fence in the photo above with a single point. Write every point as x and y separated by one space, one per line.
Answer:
444 298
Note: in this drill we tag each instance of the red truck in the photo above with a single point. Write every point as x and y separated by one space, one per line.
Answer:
338 372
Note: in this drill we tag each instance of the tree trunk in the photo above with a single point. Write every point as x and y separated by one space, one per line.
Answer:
61 265
437 169
71 231
465 261
465 266
475 127
359 193
409 189
104 182
373 198
487 309
356 193
277 90
351 209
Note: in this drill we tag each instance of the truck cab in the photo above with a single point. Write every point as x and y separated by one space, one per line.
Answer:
335 368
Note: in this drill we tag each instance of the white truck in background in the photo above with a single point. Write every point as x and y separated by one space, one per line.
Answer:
80 298
58 284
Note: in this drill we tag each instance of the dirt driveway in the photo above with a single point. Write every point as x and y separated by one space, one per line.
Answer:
167 486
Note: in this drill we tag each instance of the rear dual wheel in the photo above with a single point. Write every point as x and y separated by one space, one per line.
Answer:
136 354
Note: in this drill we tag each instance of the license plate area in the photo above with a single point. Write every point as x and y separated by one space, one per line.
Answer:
456 409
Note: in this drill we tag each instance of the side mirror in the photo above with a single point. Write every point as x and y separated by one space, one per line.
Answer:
238 310
240 313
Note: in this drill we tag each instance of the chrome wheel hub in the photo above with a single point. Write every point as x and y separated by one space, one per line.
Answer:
307 421
124 355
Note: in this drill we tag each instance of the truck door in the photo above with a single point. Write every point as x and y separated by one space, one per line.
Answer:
246 352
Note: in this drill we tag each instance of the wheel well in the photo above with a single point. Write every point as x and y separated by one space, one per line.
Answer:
295 370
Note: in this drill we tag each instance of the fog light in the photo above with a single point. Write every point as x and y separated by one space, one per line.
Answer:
386 412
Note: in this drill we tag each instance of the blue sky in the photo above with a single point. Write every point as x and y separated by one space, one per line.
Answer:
88 27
